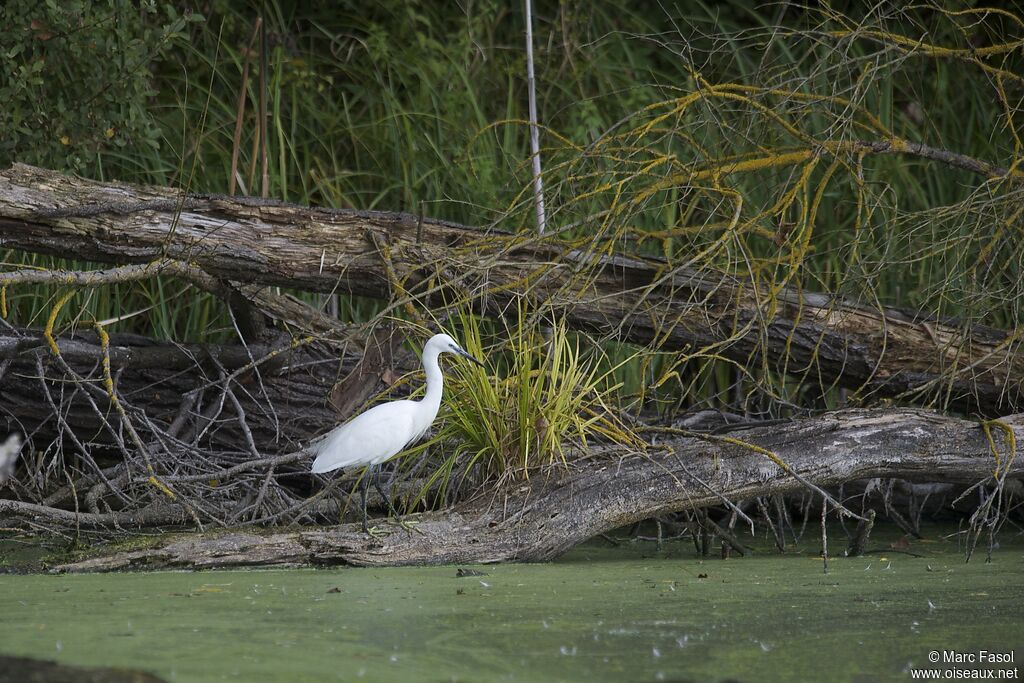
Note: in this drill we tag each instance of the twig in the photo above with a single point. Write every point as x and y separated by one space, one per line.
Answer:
779 534
954 159
228 473
824 537
160 513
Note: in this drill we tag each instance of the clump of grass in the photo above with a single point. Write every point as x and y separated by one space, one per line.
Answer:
542 393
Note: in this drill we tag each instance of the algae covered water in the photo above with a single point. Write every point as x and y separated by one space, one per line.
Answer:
630 613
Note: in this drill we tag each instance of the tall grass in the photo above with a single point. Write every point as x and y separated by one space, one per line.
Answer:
544 390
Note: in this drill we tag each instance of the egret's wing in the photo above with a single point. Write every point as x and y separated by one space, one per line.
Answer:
368 438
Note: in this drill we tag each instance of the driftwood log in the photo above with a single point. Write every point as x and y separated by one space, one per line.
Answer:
874 351
613 487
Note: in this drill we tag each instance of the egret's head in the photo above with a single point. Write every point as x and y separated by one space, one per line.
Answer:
442 343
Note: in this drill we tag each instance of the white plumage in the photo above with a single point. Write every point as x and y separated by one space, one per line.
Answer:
369 438
372 437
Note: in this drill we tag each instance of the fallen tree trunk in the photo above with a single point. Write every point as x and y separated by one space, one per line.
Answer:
876 351
614 487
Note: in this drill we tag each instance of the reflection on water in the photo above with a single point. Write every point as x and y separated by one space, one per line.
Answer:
600 614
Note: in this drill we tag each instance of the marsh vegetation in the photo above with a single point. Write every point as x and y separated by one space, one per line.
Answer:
754 218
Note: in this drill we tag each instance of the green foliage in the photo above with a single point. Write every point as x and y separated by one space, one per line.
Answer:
420 107
392 106
75 81
544 388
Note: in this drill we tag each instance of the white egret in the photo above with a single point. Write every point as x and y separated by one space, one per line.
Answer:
381 432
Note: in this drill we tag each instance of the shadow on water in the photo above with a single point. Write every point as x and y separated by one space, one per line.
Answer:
602 613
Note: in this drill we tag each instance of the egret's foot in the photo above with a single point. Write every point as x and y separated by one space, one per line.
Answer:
378 532
408 525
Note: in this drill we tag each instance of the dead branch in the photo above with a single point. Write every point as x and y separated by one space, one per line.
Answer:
877 351
152 515
133 430
616 487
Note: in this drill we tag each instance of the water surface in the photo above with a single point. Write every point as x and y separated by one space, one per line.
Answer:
630 613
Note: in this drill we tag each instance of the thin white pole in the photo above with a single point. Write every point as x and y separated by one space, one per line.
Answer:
538 182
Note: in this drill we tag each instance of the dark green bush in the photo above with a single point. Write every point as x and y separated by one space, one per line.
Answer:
75 78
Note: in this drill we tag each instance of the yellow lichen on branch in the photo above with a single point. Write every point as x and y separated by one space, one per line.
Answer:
51 320
1011 444
108 383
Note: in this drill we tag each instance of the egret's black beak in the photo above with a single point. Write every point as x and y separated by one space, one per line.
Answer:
469 357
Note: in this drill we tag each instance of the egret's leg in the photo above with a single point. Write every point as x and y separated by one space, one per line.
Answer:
374 531
385 496
362 493
407 525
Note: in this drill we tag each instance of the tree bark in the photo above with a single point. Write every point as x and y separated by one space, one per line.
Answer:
613 487
876 351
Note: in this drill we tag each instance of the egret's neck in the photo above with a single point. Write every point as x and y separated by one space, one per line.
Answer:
435 380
